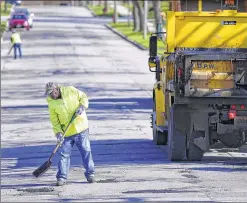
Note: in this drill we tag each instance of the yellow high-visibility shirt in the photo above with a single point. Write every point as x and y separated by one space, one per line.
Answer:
16 38
62 110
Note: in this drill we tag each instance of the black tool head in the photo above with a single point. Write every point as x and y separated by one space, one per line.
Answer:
42 169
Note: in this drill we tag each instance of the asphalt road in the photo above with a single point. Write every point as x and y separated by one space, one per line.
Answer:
69 46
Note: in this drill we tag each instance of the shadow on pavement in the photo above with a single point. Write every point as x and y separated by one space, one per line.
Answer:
66 44
171 190
105 152
80 19
240 168
97 113
122 199
71 35
38 56
76 20
99 104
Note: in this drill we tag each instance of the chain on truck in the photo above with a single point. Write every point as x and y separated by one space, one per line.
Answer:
200 94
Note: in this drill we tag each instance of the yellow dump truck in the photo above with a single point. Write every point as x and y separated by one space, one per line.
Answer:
200 94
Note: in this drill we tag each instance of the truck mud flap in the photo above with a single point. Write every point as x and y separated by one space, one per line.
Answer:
194 151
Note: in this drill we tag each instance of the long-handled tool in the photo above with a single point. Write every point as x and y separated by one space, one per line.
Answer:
43 168
10 49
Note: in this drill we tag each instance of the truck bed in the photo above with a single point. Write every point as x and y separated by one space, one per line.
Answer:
211 100
209 5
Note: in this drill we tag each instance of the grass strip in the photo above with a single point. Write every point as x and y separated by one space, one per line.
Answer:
137 37
98 10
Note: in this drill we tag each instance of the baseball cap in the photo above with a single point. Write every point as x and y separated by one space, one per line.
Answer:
49 87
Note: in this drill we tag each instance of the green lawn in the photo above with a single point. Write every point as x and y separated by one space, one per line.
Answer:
98 10
127 5
123 28
3 13
3 25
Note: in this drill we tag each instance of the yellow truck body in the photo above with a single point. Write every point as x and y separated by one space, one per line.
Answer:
206 30
198 34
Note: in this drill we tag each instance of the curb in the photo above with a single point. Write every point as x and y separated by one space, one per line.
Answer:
6 23
126 38
90 11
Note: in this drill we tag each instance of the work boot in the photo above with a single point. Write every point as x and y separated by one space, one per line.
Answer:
91 179
61 182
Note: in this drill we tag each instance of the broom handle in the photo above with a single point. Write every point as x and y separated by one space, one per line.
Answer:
58 144
10 49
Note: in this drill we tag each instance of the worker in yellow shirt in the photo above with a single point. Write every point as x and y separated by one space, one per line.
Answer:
63 103
16 41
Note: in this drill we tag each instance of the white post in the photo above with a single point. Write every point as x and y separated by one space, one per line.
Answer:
145 18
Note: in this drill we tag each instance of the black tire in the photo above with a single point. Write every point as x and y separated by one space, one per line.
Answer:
194 153
232 140
159 138
176 141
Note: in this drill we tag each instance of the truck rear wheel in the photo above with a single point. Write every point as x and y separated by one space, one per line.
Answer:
159 138
176 140
233 140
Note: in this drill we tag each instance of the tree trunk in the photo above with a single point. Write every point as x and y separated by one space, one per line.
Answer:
115 15
129 10
106 7
141 15
157 15
175 5
5 6
245 5
136 18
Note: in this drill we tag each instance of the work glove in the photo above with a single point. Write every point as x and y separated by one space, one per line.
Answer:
80 110
60 138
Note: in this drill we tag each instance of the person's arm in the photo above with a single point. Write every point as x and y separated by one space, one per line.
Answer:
56 126
82 97
83 100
